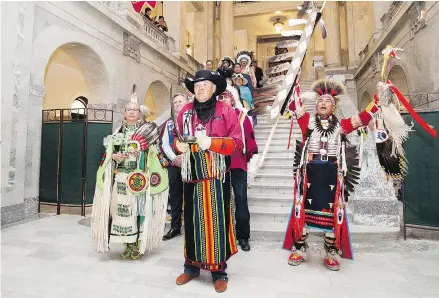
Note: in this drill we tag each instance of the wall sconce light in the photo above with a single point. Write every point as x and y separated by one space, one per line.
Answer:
278 25
188 46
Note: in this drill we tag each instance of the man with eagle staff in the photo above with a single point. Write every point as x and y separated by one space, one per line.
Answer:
326 170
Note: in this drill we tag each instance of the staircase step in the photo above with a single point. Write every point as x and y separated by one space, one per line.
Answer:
264 121
269 214
262 142
275 231
274 168
264 136
278 160
272 188
269 200
282 178
284 154
285 130
269 126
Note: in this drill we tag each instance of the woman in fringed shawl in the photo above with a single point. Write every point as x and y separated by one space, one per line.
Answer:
239 166
326 170
132 187
208 210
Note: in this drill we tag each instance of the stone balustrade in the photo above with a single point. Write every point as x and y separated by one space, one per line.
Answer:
158 35
149 29
194 63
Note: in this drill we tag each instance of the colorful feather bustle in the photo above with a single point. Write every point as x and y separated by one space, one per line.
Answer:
328 87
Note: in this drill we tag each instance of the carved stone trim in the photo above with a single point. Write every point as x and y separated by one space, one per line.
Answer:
38 90
133 22
416 26
131 46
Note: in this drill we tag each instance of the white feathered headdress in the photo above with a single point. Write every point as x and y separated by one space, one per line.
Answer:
144 110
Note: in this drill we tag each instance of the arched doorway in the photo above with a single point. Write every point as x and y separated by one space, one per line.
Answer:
72 135
365 100
157 99
74 70
398 78
79 107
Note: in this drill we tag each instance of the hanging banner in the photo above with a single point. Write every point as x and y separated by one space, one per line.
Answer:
138 5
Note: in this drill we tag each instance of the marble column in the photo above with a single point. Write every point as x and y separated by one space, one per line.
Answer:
16 118
332 42
226 19
210 17
175 15
200 37
353 61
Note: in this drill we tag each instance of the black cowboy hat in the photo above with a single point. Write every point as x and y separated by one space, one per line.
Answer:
207 75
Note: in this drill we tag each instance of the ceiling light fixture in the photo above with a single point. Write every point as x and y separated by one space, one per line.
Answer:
278 12
278 25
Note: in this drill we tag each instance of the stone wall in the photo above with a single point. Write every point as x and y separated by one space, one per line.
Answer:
113 55
16 35
420 60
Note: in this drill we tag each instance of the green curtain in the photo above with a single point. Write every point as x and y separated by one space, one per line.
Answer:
421 186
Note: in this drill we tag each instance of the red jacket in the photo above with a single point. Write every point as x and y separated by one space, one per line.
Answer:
240 158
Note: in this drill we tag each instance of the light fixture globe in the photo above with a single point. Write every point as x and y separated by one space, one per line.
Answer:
278 25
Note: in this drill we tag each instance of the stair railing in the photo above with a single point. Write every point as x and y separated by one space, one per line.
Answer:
257 164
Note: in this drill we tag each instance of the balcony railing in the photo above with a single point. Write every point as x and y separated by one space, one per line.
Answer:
387 18
198 65
158 35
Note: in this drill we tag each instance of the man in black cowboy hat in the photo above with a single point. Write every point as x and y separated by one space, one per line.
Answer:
209 231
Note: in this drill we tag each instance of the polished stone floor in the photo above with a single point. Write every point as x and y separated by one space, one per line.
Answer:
53 257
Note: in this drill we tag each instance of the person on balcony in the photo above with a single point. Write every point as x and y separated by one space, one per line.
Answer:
208 210
239 166
131 191
161 24
174 170
147 14
326 170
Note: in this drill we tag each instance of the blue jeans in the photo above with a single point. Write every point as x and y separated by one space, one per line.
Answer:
195 271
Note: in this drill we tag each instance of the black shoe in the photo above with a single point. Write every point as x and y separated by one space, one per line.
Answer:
245 246
171 234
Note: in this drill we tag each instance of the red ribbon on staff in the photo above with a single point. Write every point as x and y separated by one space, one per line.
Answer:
412 112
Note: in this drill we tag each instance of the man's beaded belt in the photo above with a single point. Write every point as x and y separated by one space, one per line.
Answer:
317 156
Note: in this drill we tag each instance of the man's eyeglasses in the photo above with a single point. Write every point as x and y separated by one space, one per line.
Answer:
132 110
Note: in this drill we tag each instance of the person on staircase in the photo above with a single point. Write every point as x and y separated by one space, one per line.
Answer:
238 70
174 170
245 93
259 73
326 170
208 212
239 166
244 58
225 67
